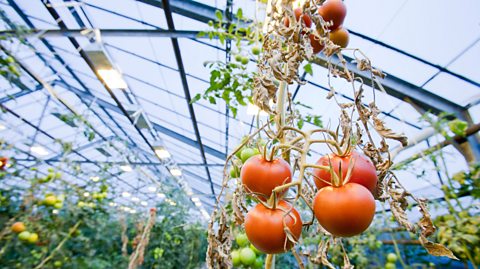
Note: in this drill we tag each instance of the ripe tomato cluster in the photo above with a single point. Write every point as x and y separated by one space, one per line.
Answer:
265 224
24 235
333 12
345 208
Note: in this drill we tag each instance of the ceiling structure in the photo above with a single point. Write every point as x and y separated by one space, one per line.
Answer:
154 44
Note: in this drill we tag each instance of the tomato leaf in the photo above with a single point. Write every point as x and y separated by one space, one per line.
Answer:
196 98
436 249
308 69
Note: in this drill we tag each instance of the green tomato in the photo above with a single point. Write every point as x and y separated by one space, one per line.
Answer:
50 200
245 60
247 153
392 258
58 205
234 173
210 23
236 258
252 247
57 264
241 239
390 266
33 238
81 204
23 236
258 264
247 256
238 58
256 50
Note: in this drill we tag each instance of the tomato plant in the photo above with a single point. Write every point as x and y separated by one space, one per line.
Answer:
363 172
346 210
265 227
305 18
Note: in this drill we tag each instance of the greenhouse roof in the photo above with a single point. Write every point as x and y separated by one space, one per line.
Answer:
430 66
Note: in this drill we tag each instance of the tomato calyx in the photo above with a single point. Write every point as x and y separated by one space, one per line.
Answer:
337 179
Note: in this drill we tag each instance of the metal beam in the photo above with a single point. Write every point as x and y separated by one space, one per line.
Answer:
183 77
85 32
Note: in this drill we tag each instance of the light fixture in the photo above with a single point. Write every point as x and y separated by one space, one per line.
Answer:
189 193
176 172
143 203
126 194
135 199
55 211
205 214
126 168
161 152
152 189
161 195
104 68
86 194
95 179
255 110
195 199
2 127
112 204
133 211
39 150
198 204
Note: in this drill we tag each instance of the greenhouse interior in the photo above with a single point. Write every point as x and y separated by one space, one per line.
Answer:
239 134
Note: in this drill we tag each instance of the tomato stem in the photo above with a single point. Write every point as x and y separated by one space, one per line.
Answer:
270 261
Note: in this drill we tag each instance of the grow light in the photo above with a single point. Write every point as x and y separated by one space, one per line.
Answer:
95 179
2 127
126 194
176 172
195 199
126 168
39 150
104 68
152 189
135 199
143 203
161 195
161 152
86 194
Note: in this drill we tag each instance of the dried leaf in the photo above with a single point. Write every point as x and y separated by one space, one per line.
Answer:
322 254
436 249
425 223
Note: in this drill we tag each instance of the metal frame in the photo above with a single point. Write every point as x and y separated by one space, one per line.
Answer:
424 100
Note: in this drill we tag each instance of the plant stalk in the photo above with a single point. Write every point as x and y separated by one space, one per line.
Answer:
270 261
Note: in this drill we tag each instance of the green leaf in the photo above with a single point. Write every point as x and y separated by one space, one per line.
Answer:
317 121
239 13
196 98
308 69
234 111
212 100
219 15
239 98
201 34
300 123
222 39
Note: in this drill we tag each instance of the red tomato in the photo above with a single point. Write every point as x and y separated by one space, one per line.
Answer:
316 45
344 211
18 227
333 11
340 37
3 162
265 227
363 173
260 176
298 12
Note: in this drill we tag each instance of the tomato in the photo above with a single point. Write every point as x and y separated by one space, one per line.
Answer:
24 236
18 227
50 200
389 265
344 211
245 60
236 258
340 37
58 205
363 173
57 264
392 257
3 162
333 11
260 176
33 238
258 263
238 58
247 153
298 12
256 50
265 227
316 45
247 256
241 239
